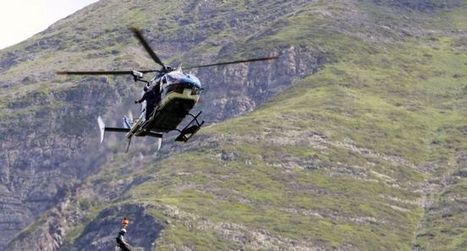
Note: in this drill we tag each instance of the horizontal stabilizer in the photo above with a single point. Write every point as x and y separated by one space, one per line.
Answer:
103 128
116 129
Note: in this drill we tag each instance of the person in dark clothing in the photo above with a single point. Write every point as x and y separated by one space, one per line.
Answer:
152 98
120 238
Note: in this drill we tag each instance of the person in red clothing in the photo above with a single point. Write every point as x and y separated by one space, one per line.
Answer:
124 246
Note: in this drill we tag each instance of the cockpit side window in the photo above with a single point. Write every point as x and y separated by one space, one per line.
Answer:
172 79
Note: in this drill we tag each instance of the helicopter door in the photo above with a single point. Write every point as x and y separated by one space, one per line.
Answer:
163 84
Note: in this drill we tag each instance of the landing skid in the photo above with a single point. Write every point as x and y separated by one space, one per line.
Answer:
189 130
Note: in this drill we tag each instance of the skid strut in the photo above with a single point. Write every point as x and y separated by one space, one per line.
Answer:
189 130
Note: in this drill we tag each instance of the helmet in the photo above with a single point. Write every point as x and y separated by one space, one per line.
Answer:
145 88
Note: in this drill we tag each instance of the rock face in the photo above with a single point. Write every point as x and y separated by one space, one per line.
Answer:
100 233
47 235
236 90
39 161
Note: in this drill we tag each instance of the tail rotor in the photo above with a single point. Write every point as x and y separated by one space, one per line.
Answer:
128 121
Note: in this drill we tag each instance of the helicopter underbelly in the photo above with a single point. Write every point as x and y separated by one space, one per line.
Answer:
172 110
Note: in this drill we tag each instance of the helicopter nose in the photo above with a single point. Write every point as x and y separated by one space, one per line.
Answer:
188 80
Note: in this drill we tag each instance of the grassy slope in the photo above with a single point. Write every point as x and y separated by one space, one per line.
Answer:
336 160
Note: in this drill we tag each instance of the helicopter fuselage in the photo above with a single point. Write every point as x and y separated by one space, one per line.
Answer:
179 94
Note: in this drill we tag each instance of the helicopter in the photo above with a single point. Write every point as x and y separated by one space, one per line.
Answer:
177 93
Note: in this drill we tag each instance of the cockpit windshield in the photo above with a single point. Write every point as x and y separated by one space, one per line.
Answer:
178 77
174 77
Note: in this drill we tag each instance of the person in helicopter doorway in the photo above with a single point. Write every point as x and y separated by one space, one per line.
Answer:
146 88
122 244
152 97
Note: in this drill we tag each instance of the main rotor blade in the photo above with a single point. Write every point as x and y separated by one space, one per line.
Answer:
137 33
233 62
101 72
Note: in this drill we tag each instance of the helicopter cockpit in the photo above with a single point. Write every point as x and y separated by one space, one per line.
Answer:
177 81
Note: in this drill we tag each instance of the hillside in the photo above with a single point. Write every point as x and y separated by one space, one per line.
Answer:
355 138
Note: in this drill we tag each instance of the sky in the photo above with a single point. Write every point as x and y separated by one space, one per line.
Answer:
21 19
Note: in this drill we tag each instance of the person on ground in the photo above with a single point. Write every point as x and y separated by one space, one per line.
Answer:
122 244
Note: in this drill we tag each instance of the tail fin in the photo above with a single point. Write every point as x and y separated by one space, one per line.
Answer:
158 144
101 127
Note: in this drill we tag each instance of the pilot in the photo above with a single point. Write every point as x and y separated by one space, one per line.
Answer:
152 98
120 238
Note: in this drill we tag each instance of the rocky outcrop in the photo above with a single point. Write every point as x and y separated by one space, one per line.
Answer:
238 89
100 233
41 157
46 234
